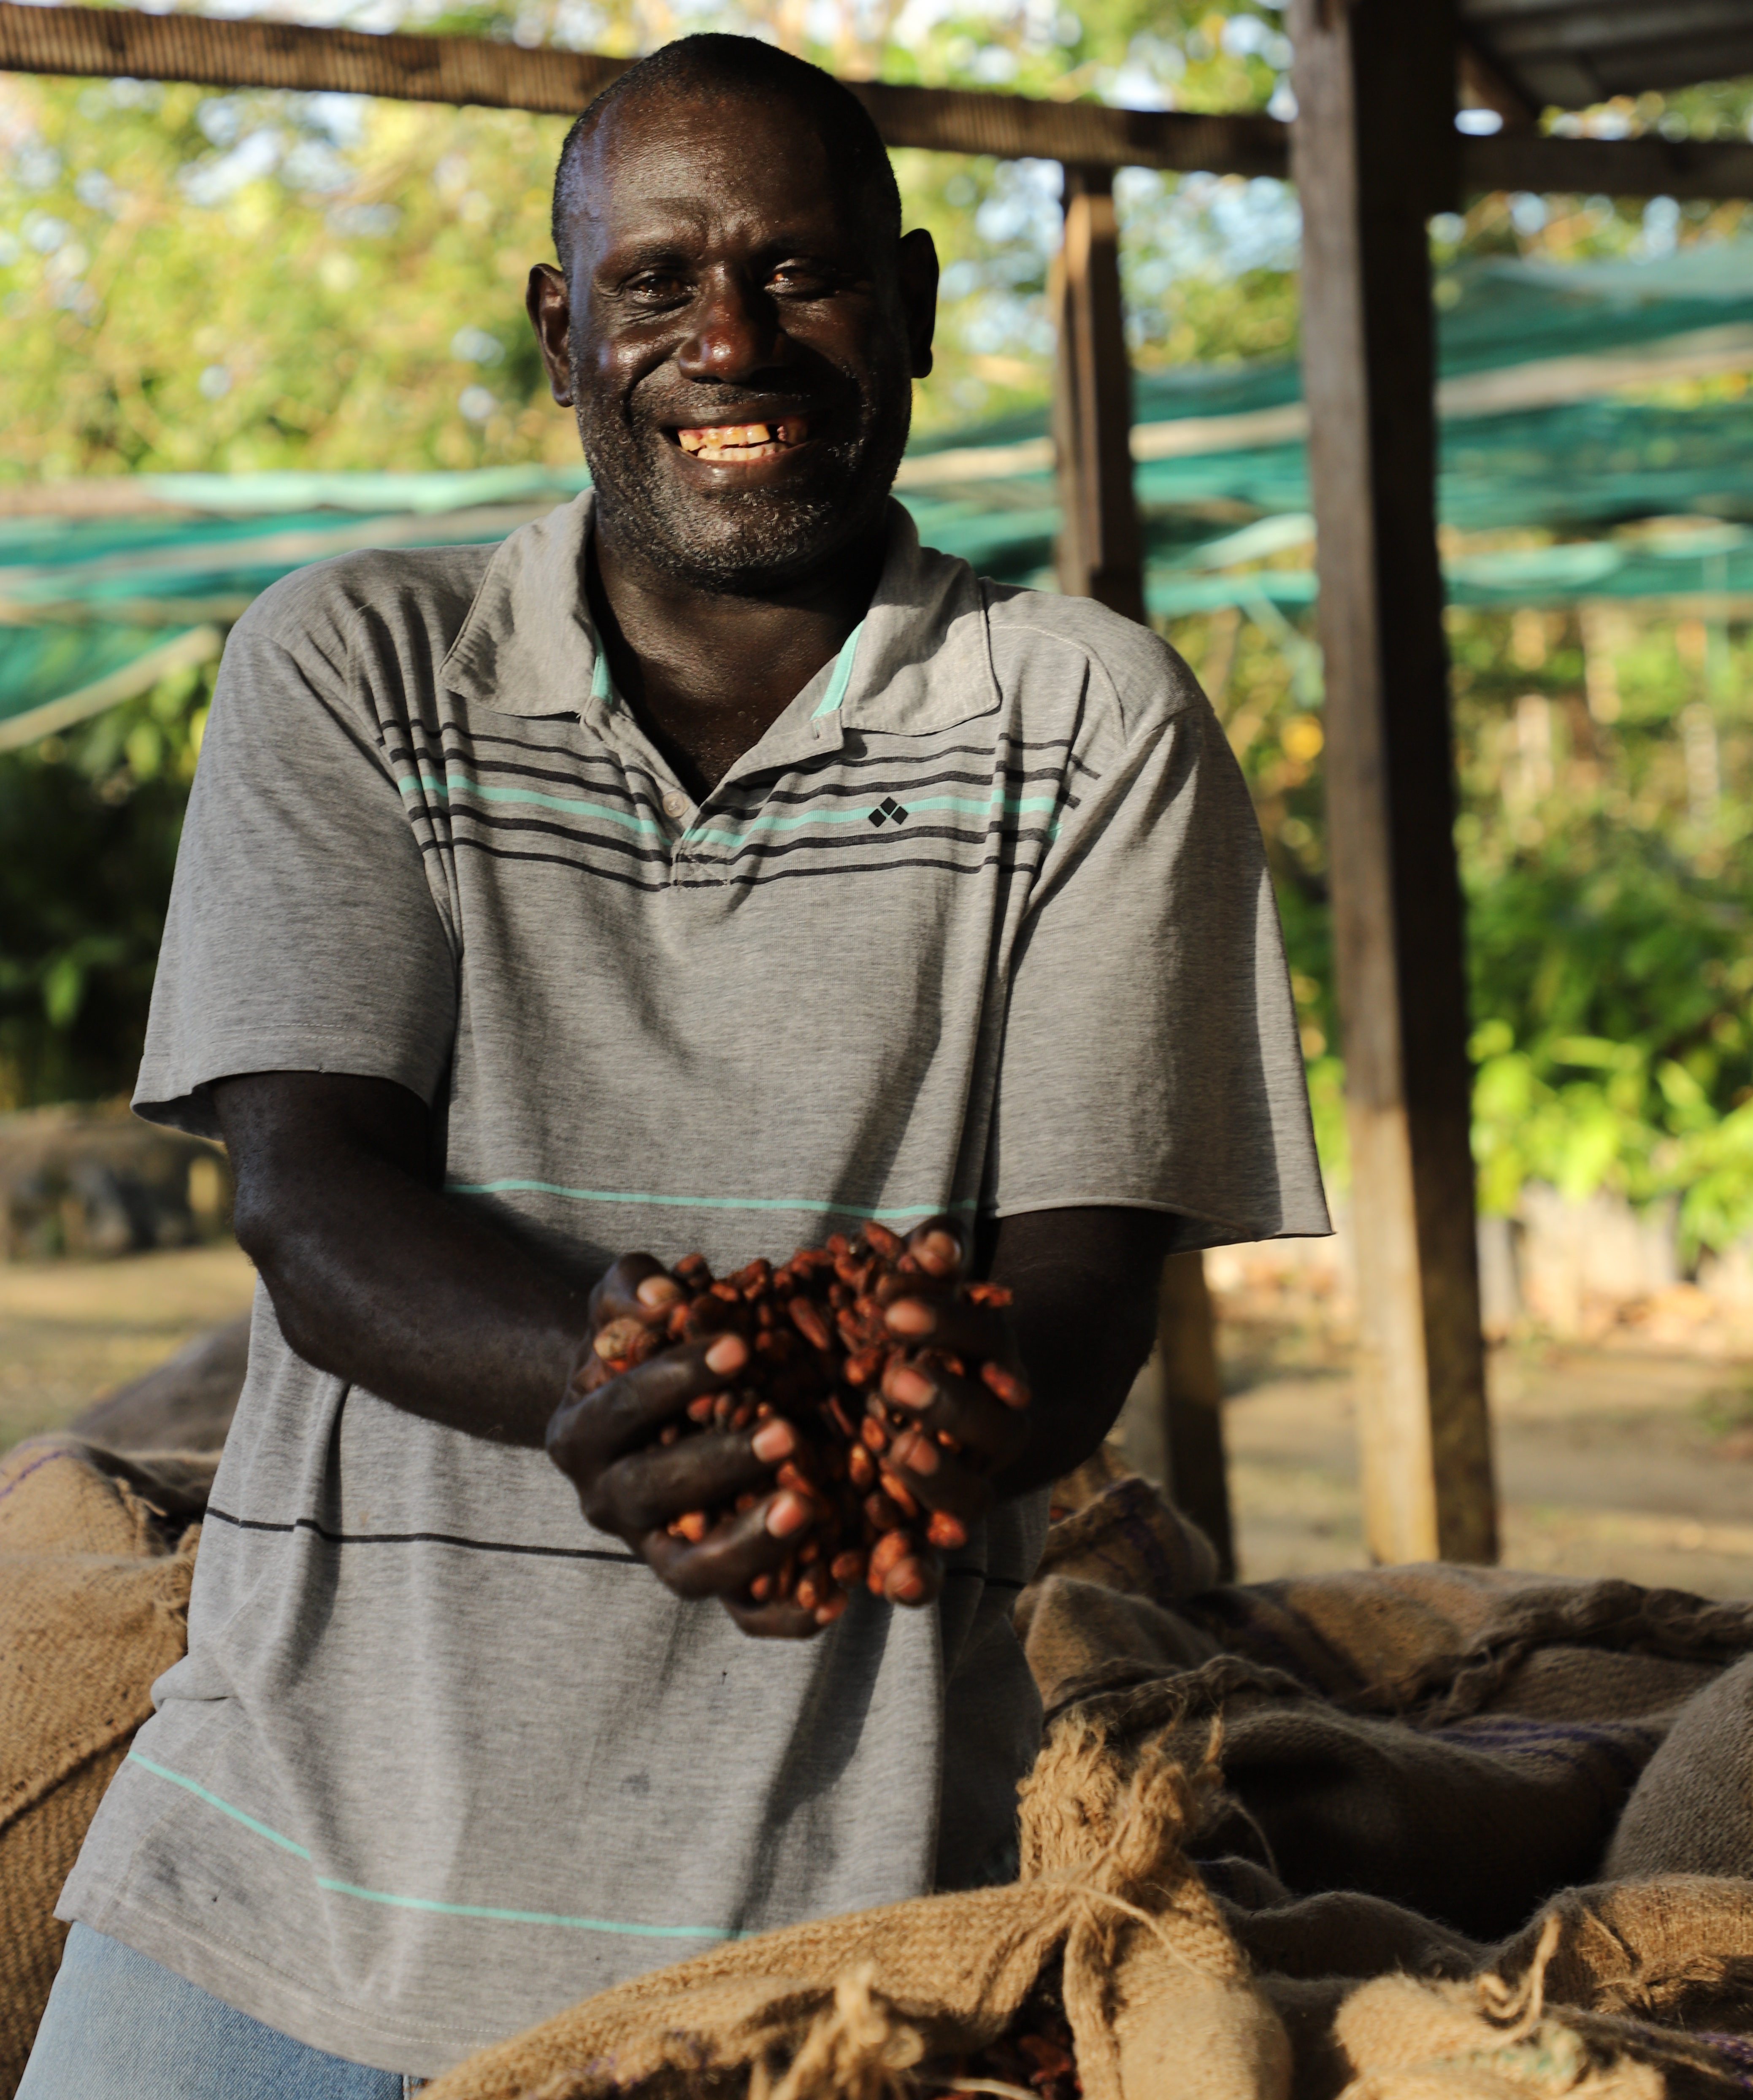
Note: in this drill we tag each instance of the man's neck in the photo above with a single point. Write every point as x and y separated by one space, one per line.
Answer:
706 673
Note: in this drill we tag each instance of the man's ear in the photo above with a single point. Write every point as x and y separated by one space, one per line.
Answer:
549 306
919 295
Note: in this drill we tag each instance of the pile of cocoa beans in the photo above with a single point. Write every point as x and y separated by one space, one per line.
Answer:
819 1350
1034 2059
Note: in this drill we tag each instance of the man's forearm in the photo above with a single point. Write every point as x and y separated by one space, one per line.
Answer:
1085 1283
376 1275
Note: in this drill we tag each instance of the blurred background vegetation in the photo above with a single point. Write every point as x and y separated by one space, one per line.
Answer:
191 280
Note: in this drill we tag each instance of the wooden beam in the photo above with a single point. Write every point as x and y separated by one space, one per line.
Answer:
1374 83
1654 166
1099 544
1493 90
110 41
107 42
1192 1402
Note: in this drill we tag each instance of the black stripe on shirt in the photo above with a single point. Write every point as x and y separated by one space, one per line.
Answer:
424 1538
600 873
495 1545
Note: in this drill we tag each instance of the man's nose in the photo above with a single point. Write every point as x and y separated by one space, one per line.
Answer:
737 331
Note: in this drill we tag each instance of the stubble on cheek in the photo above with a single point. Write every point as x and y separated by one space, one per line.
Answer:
735 539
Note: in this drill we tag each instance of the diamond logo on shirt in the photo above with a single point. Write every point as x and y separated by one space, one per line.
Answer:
888 811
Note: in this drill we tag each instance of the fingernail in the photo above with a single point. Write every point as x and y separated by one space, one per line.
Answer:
658 1290
730 1352
786 1514
909 1387
773 1441
906 1585
918 1454
911 1316
826 1614
940 1250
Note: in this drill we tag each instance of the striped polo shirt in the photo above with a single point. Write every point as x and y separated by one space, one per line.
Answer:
980 925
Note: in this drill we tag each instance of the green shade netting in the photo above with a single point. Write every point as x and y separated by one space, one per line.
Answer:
82 598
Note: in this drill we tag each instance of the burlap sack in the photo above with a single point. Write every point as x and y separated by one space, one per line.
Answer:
1161 2004
1404 2040
1693 1810
96 1553
1436 1642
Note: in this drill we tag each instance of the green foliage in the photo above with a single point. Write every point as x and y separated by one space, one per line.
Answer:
90 823
1607 845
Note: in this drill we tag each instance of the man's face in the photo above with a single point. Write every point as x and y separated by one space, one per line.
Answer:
738 337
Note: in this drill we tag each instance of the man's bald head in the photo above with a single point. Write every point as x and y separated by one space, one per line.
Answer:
718 69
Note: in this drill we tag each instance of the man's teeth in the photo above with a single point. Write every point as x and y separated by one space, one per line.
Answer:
745 441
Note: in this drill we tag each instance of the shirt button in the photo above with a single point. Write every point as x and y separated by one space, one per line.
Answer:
675 804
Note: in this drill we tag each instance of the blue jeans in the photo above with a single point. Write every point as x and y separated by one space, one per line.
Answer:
118 2026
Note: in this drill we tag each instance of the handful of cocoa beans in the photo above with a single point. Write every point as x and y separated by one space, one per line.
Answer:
818 1348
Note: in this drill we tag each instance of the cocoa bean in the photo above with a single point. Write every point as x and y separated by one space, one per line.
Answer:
888 1553
807 1319
1010 1389
898 1494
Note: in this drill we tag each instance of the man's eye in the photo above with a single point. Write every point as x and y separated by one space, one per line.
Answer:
801 280
653 287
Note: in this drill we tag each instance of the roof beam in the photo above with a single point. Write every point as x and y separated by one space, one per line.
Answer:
1651 166
110 42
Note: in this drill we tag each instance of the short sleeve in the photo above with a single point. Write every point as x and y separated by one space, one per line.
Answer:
1151 1057
303 933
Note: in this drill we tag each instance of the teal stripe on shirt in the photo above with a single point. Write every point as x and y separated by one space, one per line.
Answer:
456 781
491 1912
459 782
518 1186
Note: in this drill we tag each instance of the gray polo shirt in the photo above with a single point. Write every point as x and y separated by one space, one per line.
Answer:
981 923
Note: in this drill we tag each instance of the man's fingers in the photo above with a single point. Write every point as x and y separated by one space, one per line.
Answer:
775 1621
591 1430
735 1553
937 1478
913 1582
965 1408
651 1488
940 1247
637 1287
982 1333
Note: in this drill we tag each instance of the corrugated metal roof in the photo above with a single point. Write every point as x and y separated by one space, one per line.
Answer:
1571 53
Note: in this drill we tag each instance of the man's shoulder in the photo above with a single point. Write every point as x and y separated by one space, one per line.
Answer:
421 595
1127 669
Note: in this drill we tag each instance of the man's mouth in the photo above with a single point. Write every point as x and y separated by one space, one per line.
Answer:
732 444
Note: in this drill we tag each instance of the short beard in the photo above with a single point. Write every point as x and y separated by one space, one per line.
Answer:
742 543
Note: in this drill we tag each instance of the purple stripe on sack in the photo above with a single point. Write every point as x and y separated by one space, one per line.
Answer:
36 1466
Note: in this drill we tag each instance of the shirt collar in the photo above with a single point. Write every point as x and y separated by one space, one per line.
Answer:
919 660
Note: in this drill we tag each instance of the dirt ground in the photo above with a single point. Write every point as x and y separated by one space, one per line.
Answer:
73 1330
1612 1460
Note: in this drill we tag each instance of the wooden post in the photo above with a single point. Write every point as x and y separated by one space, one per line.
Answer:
1101 556
1099 549
1373 154
1193 1426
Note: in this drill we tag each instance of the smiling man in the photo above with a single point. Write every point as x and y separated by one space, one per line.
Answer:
709 866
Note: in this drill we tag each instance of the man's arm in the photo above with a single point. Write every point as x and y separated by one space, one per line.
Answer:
376 1278
1085 1283
375 1275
